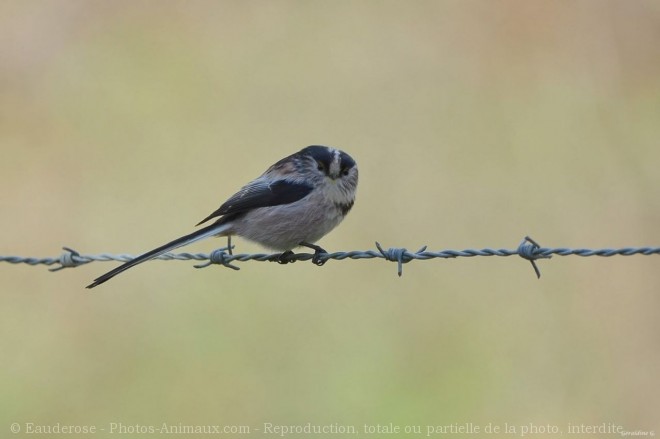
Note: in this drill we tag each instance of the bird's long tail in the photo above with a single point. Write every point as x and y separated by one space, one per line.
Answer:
213 229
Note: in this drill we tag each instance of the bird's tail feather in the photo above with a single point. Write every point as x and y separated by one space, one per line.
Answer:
213 229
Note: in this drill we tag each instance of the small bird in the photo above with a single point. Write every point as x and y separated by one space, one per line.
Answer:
296 202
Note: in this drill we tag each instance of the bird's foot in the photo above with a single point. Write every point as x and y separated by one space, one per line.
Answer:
284 257
318 252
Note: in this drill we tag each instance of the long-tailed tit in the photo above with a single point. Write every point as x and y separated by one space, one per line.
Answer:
294 203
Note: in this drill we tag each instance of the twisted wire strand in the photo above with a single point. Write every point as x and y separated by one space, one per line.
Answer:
528 249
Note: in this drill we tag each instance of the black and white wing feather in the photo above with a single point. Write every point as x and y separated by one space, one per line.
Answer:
262 193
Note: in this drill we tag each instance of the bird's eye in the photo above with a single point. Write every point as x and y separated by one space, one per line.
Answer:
320 166
344 172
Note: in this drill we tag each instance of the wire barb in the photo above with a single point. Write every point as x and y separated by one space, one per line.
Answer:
70 258
220 256
399 255
528 249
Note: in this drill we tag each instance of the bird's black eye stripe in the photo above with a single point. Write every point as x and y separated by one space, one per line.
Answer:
324 156
346 161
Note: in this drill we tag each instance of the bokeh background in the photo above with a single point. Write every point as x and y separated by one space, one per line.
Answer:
474 123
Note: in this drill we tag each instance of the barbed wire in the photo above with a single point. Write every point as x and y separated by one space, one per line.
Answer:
528 249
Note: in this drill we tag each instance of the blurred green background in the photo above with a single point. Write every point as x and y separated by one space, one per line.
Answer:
474 123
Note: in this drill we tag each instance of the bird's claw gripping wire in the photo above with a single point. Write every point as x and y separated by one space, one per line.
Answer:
319 257
286 257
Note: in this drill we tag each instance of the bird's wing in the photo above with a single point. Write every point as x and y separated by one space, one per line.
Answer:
262 193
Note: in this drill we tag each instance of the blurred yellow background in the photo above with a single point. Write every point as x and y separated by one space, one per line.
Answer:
474 123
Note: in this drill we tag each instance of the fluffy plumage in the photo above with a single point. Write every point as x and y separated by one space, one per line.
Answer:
295 202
